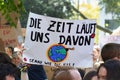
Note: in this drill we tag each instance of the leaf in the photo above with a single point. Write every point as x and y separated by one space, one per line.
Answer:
9 6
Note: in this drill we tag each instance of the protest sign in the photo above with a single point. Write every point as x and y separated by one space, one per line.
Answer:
53 41
109 39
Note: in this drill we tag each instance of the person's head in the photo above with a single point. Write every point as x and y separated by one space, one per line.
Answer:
5 59
9 50
110 70
15 59
6 72
68 74
91 75
110 51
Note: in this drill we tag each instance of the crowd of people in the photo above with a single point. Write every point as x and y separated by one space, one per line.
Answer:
17 70
106 66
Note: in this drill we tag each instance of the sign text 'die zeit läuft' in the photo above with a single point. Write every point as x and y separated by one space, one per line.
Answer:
53 41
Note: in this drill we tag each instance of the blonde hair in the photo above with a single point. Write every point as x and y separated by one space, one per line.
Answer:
67 74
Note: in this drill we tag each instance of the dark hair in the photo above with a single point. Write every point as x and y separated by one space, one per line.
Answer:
110 51
6 70
12 49
90 75
113 69
82 72
4 58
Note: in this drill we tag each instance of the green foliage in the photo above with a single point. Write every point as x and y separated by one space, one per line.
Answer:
8 7
53 8
111 6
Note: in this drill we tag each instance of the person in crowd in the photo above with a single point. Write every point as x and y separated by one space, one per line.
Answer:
96 56
6 72
109 70
16 60
5 59
13 55
67 74
9 50
82 72
91 75
35 72
110 51
96 53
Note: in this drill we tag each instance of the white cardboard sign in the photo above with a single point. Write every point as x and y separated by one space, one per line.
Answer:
53 41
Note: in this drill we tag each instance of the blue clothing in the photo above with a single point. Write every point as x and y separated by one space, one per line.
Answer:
36 72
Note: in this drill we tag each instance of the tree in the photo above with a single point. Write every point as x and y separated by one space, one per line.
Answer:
88 17
111 6
9 8
91 12
53 8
